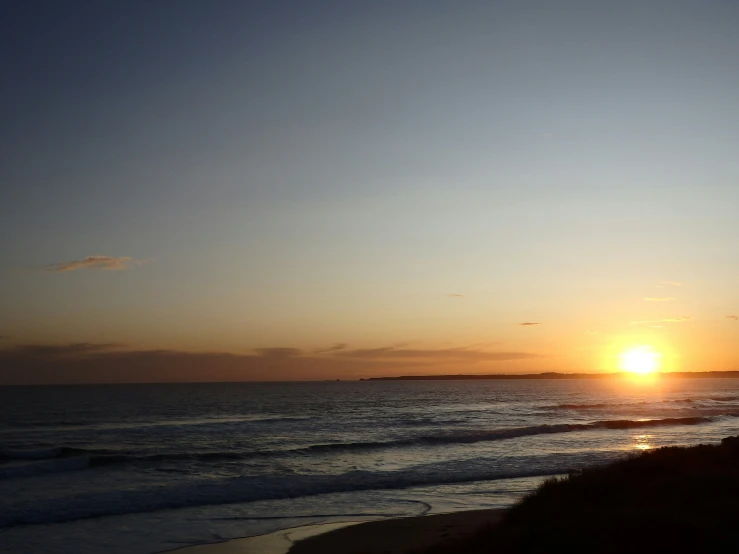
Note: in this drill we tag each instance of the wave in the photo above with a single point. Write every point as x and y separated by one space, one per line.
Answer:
41 467
633 424
30 453
721 398
502 434
607 405
428 422
165 426
200 492
33 464
602 405
468 437
99 457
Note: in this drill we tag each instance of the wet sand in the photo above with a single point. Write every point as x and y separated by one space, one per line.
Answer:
389 536
399 535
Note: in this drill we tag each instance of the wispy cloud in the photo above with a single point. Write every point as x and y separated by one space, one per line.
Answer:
734 317
391 352
63 350
659 298
455 295
525 323
335 348
278 352
665 320
95 262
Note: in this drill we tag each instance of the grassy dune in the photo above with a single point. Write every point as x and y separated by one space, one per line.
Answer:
667 500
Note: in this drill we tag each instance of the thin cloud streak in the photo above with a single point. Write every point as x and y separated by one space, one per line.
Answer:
335 348
390 352
63 350
734 317
665 320
278 352
526 323
110 263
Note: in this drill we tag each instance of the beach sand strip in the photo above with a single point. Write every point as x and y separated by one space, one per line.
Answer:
388 536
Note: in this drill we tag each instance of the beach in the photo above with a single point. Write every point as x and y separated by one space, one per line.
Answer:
389 536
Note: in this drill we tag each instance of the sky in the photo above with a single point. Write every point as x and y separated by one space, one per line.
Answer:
226 190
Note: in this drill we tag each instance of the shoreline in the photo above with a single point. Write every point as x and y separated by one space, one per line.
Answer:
385 536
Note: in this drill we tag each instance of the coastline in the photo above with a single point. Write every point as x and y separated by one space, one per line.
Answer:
386 536
556 376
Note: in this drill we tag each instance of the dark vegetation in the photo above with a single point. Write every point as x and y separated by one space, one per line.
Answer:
671 499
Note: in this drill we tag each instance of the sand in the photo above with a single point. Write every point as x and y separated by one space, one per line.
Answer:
389 536
398 536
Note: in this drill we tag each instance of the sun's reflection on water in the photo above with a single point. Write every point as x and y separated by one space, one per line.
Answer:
642 442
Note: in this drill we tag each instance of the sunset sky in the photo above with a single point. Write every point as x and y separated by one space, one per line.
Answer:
250 190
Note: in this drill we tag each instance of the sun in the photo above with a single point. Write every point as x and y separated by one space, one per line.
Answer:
640 359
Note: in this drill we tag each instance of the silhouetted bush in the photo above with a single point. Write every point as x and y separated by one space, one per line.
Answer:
668 500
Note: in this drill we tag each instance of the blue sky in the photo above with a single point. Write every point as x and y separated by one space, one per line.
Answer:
297 175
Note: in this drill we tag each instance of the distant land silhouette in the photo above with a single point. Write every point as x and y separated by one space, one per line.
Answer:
555 375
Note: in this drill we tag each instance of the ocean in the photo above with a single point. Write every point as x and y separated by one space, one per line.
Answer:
138 469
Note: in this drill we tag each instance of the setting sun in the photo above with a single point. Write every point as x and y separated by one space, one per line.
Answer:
640 359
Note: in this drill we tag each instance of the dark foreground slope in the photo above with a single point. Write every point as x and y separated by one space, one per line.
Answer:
668 500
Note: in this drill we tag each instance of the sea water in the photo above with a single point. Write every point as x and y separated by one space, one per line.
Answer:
138 469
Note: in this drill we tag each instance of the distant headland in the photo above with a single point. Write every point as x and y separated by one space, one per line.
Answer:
555 375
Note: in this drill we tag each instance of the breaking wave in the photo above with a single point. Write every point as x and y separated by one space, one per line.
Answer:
199 492
502 434
607 405
106 457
